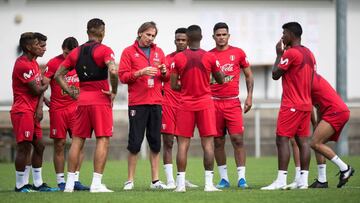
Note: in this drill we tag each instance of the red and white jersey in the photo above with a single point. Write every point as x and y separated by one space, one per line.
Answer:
194 68
170 97
60 99
24 71
325 97
232 60
299 65
90 92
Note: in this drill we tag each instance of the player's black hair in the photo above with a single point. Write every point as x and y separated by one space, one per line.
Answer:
220 25
95 26
40 36
26 39
293 27
145 26
70 43
194 33
181 30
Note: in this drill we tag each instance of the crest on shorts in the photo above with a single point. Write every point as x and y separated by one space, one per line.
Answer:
27 133
54 131
132 113
232 57
164 126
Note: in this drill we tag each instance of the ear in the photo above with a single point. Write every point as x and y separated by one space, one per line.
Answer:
213 36
175 41
139 34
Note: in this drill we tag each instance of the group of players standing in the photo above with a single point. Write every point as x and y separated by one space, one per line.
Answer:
168 95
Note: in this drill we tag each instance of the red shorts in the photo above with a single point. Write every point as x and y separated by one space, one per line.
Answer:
93 117
337 121
62 121
228 117
168 119
293 122
25 127
204 119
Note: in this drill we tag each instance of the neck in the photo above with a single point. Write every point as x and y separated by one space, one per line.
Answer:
222 47
30 56
296 42
95 39
194 45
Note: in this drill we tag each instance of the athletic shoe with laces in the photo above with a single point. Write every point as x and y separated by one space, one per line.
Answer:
61 186
180 189
171 185
189 184
242 183
80 187
318 184
99 188
128 185
45 188
223 184
158 186
211 188
345 176
274 186
24 188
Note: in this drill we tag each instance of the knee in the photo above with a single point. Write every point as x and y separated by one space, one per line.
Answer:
168 144
39 148
315 145
59 146
218 143
237 141
133 149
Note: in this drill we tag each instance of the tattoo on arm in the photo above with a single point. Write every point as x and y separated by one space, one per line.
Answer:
113 70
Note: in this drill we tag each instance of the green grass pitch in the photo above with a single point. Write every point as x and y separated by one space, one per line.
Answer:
259 172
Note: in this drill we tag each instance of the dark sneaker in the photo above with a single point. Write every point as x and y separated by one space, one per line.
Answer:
318 184
61 186
24 188
45 188
79 187
345 175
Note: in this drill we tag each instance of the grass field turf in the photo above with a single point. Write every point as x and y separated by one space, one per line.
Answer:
259 172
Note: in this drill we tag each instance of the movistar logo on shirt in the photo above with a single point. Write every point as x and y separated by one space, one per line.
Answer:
28 75
284 61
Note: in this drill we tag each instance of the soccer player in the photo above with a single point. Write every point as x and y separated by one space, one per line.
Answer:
296 65
332 115
93 63
142 68
39 110
62 110
228 110
194 66
170 105
27 88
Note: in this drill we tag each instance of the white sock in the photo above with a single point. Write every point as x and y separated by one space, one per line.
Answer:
70 181
209 178
281 177
342 165
37 177
304 177
241 172
19 179
27 174
77 174
223 172
322 173
96 181
60 178
168 168
180 179
297 174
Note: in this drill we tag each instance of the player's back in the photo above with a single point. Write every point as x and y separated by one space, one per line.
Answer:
300 65
325 97
194 68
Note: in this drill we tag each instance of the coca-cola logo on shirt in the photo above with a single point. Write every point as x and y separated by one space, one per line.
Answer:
229 67
72 79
